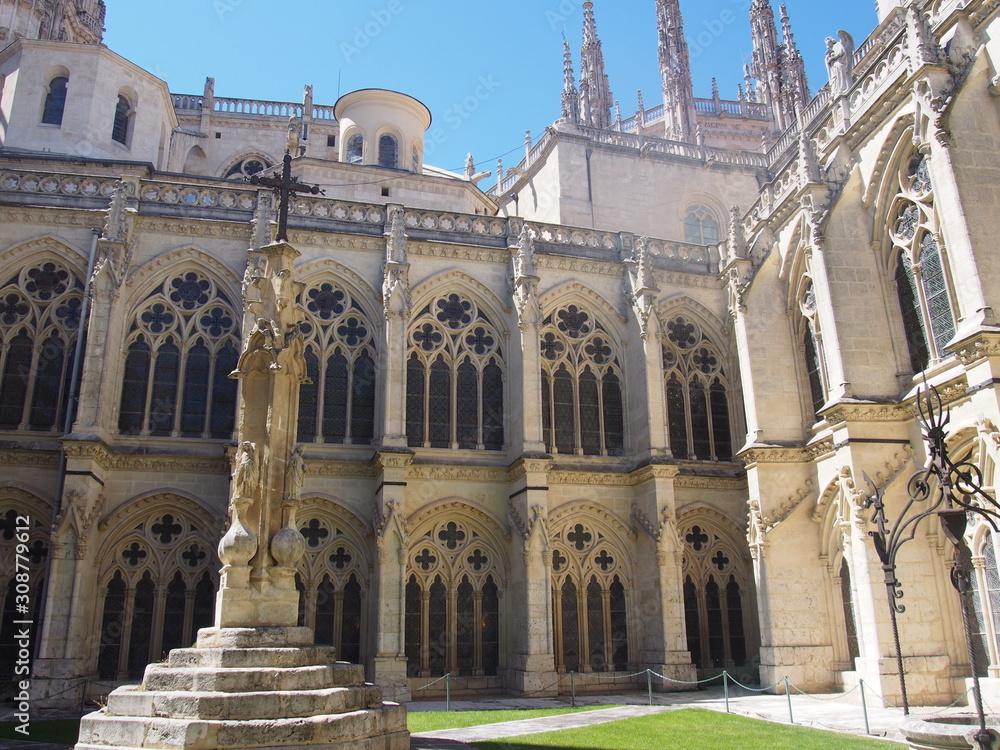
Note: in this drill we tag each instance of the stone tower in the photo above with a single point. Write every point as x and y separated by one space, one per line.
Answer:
680 120
80 21
595 90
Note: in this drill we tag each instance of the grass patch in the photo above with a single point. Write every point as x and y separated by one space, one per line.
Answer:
690 729
62 732
430 721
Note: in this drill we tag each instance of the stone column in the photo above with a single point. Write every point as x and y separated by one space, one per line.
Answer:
529 319
396 304
531 660
262 546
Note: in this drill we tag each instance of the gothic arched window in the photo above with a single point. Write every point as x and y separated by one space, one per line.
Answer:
55 101
454 378
123 120
850 621
40 310
582 402
715 599
697 392
338 406
812 349
590 608
919 267
388 151
180 351
332 581
355 149
452 603
248 167
700 226
159 590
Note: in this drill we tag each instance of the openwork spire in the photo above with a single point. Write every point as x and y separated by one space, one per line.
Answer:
675 71
793 66
777 67
595 90
570 94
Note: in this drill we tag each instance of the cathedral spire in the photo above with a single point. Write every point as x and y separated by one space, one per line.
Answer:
595 90
570 95
778 68
675 71
793 66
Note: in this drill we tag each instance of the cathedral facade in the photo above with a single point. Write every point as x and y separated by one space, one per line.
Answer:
612 414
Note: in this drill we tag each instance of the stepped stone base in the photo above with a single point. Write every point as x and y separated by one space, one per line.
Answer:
248 688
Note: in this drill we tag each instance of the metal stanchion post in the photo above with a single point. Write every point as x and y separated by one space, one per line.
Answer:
864 707
447 692
725 687
572 688
788 692
649 685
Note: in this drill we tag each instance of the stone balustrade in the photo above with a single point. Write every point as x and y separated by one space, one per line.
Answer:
46 183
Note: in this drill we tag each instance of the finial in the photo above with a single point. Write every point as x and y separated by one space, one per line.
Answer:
715 89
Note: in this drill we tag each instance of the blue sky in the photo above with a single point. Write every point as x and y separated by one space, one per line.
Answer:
487 71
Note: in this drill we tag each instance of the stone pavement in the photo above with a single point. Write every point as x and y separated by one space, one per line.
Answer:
839 713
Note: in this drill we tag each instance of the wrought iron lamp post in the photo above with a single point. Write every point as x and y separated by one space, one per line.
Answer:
953 492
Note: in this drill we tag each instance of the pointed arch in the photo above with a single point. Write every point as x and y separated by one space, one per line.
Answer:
41 248
569 292
144 280
425 291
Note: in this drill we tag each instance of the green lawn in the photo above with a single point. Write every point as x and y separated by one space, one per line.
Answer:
428 721
57 732
690 729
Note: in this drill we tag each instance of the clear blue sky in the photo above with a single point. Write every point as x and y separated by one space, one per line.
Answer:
488 71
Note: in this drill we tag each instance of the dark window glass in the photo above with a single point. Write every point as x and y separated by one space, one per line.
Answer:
196 372
699 420
224 392
977 619
388 151
570 627
49 376
491 627
465 631
619 626
132 413
546 410
565 414
163 404
493 407
721 431
850 623
55 101
363 400
467 404
120 130
142 626
414 402
437 619
350 630
936 291
692 621
734 610
816 390
355 149
335 399
174 615
325 601
204 604
677 417
309 398
590 414
440 405
412 627
14 383
112 625
614 419
913 319
595 626
713 617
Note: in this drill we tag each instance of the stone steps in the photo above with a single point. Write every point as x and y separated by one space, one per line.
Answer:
252 658
163 677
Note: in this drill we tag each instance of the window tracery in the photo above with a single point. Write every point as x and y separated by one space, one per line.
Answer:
331 582
715 596
338 406
590 608
181 349
582 401
697 393
159 586
919 267
248 167
454 378
700 226
40 310
453 602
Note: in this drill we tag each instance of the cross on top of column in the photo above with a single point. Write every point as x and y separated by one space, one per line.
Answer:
286 186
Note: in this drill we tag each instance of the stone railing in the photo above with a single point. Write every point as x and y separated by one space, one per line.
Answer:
191 103
748 110
188 102
179 194
47 183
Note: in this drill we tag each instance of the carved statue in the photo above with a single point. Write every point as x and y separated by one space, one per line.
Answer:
295 474
247 475
840 63
292 143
